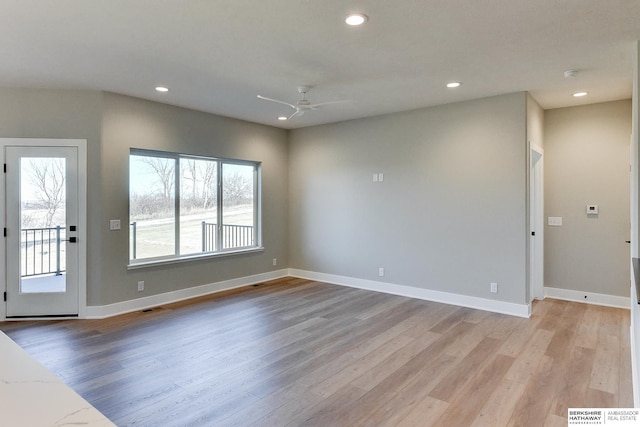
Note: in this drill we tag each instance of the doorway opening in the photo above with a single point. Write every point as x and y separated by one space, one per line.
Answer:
536 221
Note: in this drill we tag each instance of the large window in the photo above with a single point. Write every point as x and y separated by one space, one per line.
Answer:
184 206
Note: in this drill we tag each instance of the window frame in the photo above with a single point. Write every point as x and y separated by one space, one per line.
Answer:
177 257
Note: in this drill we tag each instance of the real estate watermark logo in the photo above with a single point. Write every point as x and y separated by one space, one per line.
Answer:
603 416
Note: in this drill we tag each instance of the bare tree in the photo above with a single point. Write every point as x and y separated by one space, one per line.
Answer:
189 170
48 178
238 188
208 181
165 169
201 178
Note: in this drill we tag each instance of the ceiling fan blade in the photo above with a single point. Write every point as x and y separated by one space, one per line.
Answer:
275 100
297 113
320 104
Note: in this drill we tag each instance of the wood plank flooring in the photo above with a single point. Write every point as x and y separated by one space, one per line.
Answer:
299 353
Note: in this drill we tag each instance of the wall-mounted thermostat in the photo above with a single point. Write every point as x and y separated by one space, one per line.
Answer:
592 209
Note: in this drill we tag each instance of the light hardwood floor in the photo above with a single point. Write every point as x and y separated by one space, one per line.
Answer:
298 353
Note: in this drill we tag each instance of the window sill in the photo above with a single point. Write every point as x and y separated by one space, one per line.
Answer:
187 258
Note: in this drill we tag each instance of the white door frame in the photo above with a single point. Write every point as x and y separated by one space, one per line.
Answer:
81 145
536 221
634 211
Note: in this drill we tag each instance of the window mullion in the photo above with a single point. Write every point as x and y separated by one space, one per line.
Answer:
257 236
176 204
219 238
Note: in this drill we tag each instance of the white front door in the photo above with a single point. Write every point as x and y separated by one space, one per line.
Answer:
42 231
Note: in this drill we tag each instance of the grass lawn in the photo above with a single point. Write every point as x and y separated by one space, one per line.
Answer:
156 237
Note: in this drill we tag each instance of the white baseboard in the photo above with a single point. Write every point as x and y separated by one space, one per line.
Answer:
520 310
103 311
587 297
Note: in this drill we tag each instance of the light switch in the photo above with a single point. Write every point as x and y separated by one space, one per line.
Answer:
380 177
555 221
114 224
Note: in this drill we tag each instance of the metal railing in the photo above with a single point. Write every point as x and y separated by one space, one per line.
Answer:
40 251
134 242
233 236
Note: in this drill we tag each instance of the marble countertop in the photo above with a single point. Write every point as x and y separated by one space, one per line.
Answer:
32 396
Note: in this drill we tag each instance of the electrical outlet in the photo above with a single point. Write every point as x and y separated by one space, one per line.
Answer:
275 261
494 288
140 285
381 272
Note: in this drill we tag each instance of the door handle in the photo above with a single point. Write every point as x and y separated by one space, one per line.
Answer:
627 241
71 240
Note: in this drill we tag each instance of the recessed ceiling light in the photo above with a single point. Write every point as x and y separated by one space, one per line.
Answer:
579 94
282 118
453 84
356 19
162 89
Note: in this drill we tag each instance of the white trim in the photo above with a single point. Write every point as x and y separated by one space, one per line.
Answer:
537 148
187 258
634 211
635 312
82 225
587 297
634 369
503 307
536 223
103 311
3 222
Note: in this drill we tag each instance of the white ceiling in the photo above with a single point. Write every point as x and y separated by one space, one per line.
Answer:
217 55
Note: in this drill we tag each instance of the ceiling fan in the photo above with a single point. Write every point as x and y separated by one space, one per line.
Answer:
303 104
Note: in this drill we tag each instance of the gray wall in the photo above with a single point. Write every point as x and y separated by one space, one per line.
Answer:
131 122
535 122
587 162
39 113
112 124
450 214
